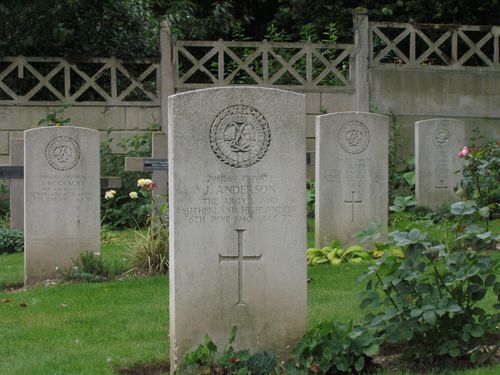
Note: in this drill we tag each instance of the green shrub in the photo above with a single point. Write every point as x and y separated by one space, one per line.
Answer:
149 252
335 255
334 348
11 241
121 211
471 227
432 302
481 174
205 360
90 267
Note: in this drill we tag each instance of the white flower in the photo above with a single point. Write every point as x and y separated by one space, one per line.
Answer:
133 195
110 194
145 183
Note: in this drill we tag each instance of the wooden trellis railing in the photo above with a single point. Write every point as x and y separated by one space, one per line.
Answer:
292 66
96 81
440 46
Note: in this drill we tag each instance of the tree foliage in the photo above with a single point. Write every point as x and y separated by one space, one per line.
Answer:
122 28
129 28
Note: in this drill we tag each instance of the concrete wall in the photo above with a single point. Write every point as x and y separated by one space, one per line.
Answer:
418 94
123 121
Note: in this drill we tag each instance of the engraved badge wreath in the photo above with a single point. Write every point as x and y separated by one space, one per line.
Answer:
62 153
441 136
240 136
354 137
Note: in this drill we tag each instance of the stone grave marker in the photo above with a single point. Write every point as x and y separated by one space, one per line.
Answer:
437 142
351 175
61 198
15 174
237 218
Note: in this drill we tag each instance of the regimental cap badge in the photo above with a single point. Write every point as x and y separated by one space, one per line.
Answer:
62 153
354 137
240 136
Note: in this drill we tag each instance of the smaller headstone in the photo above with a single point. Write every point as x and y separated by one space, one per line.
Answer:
61 199
351 175
437 143
16 188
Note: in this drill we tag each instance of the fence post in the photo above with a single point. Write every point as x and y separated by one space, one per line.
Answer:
166 72
362 54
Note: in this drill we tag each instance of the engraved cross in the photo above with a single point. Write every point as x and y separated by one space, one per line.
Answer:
240 258
442 188
352 201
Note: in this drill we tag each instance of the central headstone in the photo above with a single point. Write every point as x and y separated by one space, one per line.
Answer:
237 218
351 175
61 198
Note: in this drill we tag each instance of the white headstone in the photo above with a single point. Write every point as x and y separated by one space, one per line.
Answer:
437 143
351 175
237 218
61 187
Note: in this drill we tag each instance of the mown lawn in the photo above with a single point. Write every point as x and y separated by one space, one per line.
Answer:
98 328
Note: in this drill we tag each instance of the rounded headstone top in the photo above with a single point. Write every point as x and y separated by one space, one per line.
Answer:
246 89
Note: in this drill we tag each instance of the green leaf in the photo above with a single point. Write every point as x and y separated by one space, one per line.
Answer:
484 211
429 317
410 177
479 295
414 313
372 350
341 363
454 352
359 364
476 331
484 235
490 279
232 336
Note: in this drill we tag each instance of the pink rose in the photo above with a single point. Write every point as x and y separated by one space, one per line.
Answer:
464 153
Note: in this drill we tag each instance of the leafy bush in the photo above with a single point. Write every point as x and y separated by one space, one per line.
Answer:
90 267
334 348
149 252
471 227
93 28
121 211
431 301
402 203
335 255
55 116
11 241
481 174
204 360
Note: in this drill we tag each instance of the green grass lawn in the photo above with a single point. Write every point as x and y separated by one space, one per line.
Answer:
97 328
